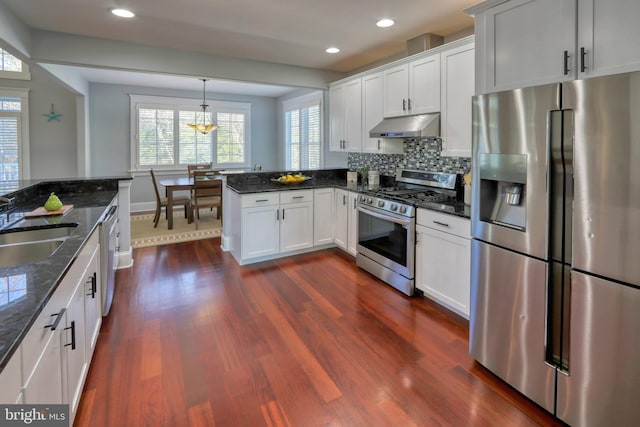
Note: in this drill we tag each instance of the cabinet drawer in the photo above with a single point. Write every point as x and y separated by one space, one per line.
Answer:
296 196
444 222
259 199
11 380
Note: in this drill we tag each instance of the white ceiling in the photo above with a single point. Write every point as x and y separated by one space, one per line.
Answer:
294 32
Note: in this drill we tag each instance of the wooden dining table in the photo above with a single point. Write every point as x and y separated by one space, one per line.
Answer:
171 185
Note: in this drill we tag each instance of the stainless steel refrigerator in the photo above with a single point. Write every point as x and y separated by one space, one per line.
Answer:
555 293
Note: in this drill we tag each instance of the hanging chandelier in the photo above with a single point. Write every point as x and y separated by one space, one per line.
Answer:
203 127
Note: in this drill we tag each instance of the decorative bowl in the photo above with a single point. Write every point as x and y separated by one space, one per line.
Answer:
283 182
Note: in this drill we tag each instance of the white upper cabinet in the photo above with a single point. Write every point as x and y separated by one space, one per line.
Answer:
608 31
345 104
413 87
372 114
457 89
424 85
523 43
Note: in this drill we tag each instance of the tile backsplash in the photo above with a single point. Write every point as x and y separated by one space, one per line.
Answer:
418 154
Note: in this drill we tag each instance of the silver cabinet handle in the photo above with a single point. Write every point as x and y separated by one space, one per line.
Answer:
444 224
409 104
277 214
378 144
298 197
262 200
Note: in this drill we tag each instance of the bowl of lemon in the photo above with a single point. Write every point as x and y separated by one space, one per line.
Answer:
291 179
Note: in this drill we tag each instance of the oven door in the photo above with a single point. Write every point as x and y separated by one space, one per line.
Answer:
387 239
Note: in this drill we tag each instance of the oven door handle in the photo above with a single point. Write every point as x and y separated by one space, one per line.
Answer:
386 217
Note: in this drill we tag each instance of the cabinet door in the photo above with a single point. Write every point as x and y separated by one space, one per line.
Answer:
457 81
342 218
607 31
522 43
44 385
260 231
74 346
11 380
352 239
396 90
336 117
353 115
323 222
424 85
296 226
443 268
372 110
92 306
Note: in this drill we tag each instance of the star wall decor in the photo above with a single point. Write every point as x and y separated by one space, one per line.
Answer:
52 115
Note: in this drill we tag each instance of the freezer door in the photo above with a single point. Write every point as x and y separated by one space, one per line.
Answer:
603 383
511 133
606 223
507 324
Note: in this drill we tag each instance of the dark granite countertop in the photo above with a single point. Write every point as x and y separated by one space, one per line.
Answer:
248 183
25 289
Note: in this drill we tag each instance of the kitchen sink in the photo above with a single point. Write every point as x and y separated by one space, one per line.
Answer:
23 246
25 253
58 231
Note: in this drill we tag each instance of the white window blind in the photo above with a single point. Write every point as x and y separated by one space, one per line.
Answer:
230 139
163 139
10 126
303 133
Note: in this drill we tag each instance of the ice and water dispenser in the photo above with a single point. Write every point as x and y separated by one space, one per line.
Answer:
503 188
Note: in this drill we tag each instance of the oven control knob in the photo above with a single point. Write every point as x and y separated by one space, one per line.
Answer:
362 198
394 207
370 200
380 203
403 209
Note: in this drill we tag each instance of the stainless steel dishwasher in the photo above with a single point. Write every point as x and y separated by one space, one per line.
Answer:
108 265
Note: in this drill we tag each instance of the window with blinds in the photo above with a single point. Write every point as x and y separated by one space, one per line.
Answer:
303 132
164 140
10 115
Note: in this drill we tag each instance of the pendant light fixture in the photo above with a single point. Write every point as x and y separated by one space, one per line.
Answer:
203 127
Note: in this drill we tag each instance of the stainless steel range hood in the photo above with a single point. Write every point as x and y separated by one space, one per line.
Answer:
419 126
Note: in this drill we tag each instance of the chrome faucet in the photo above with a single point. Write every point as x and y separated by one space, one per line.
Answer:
6 202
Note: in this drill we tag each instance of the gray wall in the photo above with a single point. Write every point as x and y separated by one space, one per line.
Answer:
53 152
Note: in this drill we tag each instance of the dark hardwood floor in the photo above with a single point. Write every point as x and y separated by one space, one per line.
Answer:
193 339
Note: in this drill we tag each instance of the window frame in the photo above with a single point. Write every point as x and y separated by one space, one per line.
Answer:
16 75
300 102
186 104
23 119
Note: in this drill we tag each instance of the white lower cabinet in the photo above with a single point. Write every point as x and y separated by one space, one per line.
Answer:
260 231
346 220
11 380
275 223
323 214
443 259
56 352
296 220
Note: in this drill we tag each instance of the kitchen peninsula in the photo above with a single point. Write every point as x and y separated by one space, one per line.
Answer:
30 290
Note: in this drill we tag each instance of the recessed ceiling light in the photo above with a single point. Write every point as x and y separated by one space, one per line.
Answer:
384 23
123 13
332 50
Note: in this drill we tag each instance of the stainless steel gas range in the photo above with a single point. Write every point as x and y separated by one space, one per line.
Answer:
387 223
